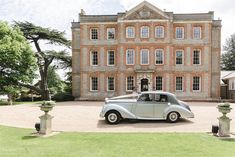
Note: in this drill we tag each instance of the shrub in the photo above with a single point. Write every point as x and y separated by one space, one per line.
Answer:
63 97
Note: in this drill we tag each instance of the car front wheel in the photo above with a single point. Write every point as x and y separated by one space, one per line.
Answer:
173 117
113 117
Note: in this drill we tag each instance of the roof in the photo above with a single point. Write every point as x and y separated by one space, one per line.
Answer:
225 75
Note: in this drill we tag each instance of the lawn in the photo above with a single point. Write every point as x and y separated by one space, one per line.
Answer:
15 142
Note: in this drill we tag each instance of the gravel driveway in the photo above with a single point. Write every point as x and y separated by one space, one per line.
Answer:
83 116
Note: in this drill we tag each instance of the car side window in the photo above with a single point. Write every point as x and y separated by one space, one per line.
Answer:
146 97
161 98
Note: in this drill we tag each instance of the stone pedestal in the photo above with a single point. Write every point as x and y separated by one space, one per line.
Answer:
224 126
45 124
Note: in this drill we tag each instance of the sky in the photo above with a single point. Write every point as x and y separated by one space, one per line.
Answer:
59 14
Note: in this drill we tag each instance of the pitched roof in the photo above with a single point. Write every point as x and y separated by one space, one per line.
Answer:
225 75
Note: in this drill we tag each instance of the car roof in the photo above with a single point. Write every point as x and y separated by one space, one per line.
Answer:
157 92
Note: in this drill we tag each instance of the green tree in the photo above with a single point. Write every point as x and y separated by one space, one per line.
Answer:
35 34
55 84
17 62
228 57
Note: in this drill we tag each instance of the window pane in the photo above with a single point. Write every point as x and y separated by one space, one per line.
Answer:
196 83
144 32
179 57
94 83
130 83
94 58
179 84
130 57
110 83
130 32
144 56
159 32
159 83
94 33
159 56
179 32
196 56
110 33
110 57
196 32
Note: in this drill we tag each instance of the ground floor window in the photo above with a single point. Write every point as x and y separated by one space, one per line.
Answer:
111 83
159 83
130 83
94 84
196 83
179 83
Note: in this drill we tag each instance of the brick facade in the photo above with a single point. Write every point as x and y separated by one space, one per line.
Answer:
145 14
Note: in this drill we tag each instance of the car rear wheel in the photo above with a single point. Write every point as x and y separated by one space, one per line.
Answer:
112 117
173 117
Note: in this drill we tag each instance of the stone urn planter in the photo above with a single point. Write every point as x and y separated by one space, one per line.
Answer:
45 120
224 121
47 106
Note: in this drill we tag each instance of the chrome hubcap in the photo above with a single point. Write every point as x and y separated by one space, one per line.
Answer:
173 116
112 117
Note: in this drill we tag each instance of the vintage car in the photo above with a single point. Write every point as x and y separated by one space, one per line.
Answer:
151 105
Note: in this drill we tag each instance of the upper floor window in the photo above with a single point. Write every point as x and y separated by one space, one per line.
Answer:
129 83
144 32
197 32
159 56
111 57
111 84
179 57
94 58
130 56
130 32
179 32
196 83
110 33
179 83
144 53
93 33
196 56
93 83
159 32
159 83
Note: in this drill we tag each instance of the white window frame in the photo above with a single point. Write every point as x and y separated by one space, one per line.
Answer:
162 51
142 31
127 33
200 83
200 32
182 57
232 84
127 83
91 58
91 89
176 33
200 56
133 51
113 84
141 58
162 34
156 83
91 33
110 29
182 84
108 57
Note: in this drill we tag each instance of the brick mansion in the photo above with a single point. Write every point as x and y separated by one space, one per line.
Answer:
146 49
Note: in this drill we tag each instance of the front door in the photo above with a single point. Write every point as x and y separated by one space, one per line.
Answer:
144 85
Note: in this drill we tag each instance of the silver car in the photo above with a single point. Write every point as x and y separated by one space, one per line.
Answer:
152 105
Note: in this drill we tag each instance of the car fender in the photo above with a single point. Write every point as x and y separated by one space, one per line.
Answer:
184 113
123 111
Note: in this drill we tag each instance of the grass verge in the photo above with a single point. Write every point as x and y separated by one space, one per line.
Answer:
16 142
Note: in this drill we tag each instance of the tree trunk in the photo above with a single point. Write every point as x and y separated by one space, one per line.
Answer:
43 85
9 99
